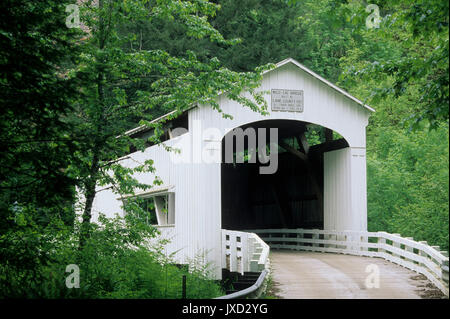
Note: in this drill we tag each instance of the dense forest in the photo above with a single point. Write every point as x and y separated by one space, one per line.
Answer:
69 92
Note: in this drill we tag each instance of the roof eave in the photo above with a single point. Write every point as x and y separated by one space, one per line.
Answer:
315 75
278 65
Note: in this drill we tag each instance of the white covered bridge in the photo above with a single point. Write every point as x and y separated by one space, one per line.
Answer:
294 179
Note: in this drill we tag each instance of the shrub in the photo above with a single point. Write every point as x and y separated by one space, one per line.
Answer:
118 261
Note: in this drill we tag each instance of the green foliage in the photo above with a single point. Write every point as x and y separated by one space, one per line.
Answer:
35 144
416 36
408 183
261 32
121 83
401 69
122 259
67 97
268 33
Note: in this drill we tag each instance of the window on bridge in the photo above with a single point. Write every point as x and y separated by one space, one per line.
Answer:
158 210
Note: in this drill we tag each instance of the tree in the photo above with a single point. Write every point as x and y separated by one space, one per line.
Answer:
392 68
121 82
35 145
408 183
419 68
269 32
35 148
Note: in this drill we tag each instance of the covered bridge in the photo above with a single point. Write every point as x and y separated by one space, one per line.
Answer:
303 166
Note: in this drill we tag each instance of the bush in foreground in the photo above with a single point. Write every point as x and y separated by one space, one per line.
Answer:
121 259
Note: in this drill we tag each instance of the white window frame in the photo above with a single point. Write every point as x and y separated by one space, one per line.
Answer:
165 209
163 218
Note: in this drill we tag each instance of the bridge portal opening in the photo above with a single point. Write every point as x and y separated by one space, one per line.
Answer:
292 197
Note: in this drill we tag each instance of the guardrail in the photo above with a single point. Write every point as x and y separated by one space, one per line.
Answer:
253 289
244 252
259 253
417 256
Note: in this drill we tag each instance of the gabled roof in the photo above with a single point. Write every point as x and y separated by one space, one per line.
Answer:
278 65
315 75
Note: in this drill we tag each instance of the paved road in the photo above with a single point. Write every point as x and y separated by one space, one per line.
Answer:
308 275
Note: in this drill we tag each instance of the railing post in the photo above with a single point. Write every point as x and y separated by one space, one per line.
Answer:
224 250
352 240
348 239
233 263
251 250
410 249
299 244
363 239
283 235
270 236
396 245
437 248
444 269
315 236
244 253
422 253
382 241
239 254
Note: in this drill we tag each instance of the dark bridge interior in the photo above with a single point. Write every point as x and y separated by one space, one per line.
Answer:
290 198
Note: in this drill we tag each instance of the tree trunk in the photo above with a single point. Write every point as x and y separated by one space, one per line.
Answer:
89 194
90 184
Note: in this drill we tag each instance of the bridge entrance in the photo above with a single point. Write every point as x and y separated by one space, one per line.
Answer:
292 197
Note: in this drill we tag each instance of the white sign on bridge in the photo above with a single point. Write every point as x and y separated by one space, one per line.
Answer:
287 100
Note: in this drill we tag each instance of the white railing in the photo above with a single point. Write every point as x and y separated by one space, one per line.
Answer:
258 252
417 256
243 252
250 291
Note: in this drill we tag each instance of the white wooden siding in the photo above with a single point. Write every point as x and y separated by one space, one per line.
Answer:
337 197
322 105
197 186
345 199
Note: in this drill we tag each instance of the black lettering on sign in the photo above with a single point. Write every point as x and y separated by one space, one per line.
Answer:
287 100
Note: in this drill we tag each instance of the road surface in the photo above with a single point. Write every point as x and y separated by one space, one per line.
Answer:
309 275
